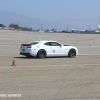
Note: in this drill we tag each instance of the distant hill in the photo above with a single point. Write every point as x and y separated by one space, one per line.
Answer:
7 17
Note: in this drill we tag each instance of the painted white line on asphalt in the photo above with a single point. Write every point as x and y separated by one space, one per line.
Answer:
88 54
91 64
51 66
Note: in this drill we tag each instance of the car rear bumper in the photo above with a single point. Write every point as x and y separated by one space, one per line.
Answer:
26 54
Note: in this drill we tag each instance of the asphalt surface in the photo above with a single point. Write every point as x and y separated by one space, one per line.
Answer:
60 78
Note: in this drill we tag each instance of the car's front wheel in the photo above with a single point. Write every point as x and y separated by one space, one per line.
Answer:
41 54
72 53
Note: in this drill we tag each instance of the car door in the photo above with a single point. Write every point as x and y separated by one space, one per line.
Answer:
56 49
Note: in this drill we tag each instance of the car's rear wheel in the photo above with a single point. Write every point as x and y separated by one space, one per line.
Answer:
72 53
41 54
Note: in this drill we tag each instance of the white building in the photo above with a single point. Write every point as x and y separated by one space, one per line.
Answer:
99 26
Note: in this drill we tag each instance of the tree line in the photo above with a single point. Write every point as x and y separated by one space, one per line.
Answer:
16 26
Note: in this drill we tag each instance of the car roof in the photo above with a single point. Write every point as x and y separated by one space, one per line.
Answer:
45 41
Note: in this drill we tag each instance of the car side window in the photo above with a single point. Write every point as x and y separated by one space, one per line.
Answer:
52 44
47 43
34 43
55 44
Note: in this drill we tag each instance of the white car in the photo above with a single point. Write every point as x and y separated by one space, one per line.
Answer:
43 48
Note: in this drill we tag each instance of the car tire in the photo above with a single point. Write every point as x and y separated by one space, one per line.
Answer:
72 53
41 54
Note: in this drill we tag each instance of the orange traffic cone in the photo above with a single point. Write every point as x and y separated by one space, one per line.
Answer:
17 44
90 45
13 63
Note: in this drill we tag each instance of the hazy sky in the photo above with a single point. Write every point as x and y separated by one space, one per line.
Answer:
84 11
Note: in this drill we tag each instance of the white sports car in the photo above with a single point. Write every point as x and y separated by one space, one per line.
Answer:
43 48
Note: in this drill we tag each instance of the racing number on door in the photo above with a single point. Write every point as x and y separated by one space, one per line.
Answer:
54 51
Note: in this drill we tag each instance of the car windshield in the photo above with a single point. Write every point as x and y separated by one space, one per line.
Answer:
34 43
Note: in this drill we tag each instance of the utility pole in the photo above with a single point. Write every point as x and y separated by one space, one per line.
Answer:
41 27
88 27
98 20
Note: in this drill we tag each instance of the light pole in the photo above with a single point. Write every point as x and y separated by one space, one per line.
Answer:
98 20
98 23
88 27
41 27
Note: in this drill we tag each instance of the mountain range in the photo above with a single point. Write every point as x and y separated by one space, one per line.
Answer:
7 18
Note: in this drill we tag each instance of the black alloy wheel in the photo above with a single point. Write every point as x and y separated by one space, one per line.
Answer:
72 53
41 54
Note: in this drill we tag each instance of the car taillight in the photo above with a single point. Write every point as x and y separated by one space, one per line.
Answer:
29 47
